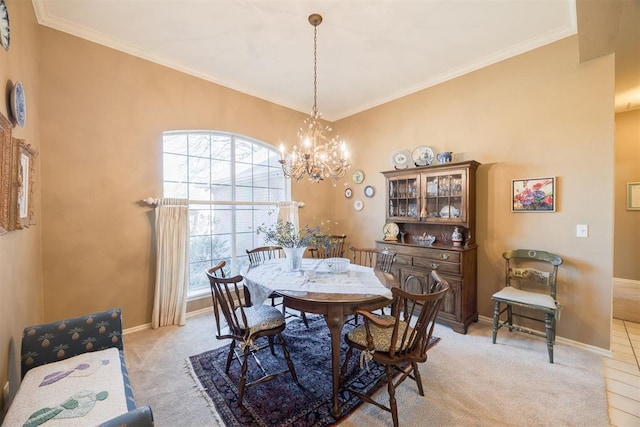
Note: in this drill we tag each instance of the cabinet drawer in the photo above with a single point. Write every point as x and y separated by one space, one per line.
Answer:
403 259
441 255
438 265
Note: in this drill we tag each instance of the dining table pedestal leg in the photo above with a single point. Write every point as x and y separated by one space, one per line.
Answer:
335 322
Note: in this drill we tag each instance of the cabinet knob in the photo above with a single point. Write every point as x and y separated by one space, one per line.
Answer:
444 256
434 265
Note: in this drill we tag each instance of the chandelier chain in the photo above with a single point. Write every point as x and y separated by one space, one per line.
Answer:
315 70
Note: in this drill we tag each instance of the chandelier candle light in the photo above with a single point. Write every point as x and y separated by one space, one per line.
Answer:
317 155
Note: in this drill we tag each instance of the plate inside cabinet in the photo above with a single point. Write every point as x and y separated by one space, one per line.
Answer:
348 193
18 105
401 159
423 156
358 205
369 191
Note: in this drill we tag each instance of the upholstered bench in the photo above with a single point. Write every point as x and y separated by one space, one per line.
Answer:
73 373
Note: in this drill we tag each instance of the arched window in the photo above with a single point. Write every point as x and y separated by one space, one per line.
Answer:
232 182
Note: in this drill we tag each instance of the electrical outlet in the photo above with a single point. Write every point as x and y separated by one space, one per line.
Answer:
582 230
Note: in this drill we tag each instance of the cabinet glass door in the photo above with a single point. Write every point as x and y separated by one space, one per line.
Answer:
444 196
404 198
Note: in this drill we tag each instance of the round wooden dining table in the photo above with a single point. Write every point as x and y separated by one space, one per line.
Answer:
334 308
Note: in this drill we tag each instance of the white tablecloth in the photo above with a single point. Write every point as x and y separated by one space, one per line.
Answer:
273 275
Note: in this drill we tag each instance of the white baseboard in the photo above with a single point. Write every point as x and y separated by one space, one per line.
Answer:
577 344
148 325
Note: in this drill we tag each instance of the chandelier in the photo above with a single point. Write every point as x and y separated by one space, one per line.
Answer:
317 155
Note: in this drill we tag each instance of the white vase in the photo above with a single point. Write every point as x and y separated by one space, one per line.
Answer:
294 257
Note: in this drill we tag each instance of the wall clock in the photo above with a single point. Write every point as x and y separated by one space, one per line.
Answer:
4 25
358 177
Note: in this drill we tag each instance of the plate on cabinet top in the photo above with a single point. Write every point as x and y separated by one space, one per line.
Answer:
401 159
423 156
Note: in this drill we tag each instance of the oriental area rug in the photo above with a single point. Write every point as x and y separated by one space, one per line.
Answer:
280 402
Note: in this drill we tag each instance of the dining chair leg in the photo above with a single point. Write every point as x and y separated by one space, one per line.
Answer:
273 351
343 370
230 356
304 319
548 328
416 375
287 357
496 319
392 395
243 376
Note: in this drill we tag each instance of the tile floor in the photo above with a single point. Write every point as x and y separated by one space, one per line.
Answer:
622 373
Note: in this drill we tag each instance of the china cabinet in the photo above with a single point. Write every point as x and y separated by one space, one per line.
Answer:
435 202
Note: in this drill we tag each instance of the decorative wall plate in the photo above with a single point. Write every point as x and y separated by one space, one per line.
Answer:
348 193
18 105
358 177
369 191
401 159
4 26
423 156
358 205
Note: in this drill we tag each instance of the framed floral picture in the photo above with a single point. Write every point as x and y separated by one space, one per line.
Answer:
533 195
22 214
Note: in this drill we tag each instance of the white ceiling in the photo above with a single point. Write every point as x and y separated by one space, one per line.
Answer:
369 51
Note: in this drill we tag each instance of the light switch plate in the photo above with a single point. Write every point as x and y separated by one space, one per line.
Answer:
582 230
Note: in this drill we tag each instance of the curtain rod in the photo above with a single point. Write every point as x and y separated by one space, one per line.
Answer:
152 202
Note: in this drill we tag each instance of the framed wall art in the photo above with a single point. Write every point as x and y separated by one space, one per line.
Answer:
533 195
23 188
6 164
633 196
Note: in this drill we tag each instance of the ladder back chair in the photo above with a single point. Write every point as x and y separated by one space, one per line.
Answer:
244 326
265 253
379 259
399 341
527 271
328 246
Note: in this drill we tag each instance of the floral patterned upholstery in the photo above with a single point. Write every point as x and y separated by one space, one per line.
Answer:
381 336
261 317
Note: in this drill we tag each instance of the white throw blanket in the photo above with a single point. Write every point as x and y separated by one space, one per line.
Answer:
273 275
84 390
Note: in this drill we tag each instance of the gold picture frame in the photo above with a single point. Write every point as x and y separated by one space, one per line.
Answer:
22 213
7 160
633 196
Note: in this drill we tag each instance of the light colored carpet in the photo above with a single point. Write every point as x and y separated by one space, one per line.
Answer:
468 381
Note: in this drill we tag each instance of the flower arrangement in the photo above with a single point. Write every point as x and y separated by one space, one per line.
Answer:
286 235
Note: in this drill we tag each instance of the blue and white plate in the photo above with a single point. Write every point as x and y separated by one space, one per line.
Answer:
18 105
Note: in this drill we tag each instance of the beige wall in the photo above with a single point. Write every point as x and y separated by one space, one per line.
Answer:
21 301
627 223
105 114
538 114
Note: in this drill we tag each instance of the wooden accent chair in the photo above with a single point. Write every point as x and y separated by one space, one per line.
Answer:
400 341
328 246
265 253
245 326
528 271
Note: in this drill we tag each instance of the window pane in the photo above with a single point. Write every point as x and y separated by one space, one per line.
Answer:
175 143
222 167
174 167
199 145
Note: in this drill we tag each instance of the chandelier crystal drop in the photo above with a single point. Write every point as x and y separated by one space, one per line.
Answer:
317 154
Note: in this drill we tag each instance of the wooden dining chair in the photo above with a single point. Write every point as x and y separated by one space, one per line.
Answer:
245 325
265 253
376 258
398 341
328 246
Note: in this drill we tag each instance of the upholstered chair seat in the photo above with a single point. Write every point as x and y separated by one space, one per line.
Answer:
381 336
